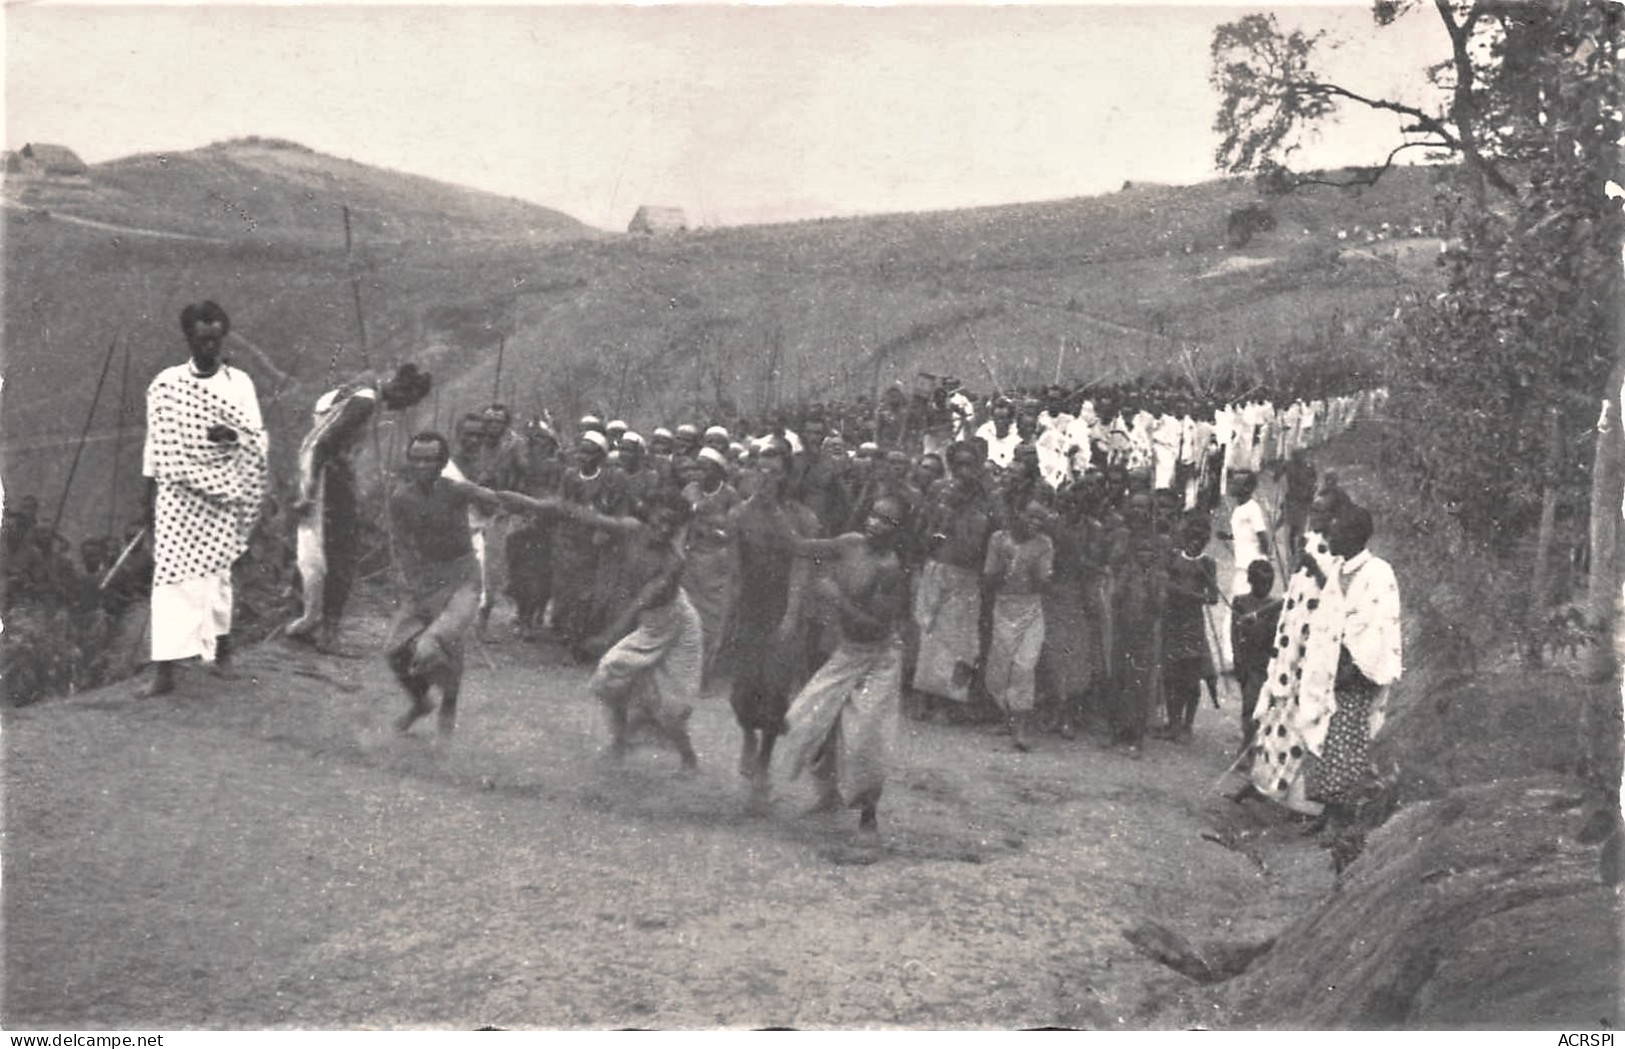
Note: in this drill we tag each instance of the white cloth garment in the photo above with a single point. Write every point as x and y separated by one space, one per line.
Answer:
1371 625
208 500
188 616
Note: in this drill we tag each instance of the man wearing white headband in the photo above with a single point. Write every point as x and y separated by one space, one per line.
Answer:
577 612
686 441
711 578
530 546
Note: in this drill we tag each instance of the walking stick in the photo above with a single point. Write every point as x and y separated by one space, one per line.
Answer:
123 559
1216 647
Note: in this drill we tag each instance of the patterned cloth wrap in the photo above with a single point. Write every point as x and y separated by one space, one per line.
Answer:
209 493
1298 699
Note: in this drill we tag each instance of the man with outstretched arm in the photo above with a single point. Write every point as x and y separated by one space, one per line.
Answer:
844 720
651 671
434 553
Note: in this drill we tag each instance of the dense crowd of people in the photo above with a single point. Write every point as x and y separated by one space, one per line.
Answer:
1045 559
1041 559
63 628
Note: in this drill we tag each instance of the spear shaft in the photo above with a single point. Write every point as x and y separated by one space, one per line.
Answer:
62 504
118 440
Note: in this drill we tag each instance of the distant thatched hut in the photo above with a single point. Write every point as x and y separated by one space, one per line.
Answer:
652 219
42 159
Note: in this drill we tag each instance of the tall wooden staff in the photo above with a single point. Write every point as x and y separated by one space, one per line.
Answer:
626 366
496 380
377 450
355 288
118 441
67 486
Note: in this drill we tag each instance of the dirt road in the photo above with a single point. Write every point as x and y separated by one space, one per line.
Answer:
269 854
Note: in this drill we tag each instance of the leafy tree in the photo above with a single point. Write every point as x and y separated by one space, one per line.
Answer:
1272 94
1496 379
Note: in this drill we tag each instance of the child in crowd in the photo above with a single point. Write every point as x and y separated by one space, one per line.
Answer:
1253 618
1137 606
1019 562
1193 584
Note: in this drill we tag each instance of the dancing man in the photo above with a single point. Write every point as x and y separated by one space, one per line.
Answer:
434 553
843 722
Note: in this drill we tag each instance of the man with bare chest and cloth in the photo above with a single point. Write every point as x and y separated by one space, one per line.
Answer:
771 633
843 723
428 522
655 654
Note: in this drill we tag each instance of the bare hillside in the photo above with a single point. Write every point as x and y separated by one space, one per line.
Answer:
268 190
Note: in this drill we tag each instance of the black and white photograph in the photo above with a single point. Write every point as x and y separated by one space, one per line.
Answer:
721 517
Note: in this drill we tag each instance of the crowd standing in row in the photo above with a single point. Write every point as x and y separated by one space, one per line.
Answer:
1037 555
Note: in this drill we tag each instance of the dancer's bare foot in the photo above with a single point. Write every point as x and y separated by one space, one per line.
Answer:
420 707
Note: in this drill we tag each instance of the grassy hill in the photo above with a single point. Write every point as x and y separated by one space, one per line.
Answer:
641 327
278 191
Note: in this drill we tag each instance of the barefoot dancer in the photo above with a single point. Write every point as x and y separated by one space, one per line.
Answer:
845 719
428 517
653 669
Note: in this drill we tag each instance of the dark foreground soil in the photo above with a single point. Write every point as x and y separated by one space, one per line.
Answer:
268 853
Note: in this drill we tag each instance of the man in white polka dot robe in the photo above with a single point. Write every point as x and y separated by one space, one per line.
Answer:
205 459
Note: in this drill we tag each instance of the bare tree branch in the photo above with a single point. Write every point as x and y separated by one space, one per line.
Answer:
1424 121
1463 143
1371 175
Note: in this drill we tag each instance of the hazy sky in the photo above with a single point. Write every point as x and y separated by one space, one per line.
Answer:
737 114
